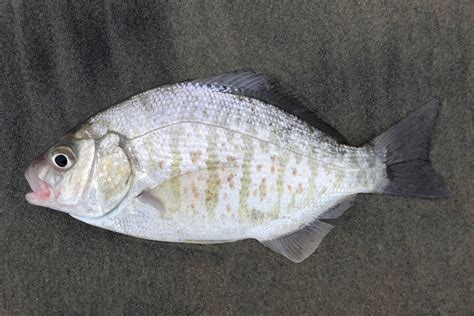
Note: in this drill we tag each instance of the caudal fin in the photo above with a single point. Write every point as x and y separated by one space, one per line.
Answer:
405 148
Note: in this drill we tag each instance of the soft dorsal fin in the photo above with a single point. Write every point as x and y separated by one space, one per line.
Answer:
269 90
339 209
299 245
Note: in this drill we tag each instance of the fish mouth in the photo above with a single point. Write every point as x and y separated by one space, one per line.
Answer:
41 191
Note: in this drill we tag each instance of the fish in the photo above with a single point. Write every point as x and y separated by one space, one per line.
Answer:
231 157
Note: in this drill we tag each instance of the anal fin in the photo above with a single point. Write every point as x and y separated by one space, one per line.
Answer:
301 244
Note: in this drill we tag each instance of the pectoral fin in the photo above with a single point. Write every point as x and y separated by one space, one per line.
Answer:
186 193
299 245
153 198
167 197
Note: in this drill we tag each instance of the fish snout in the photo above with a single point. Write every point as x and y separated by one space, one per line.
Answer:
41 191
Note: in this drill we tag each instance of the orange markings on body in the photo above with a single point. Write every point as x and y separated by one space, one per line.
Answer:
231 160
195 191
195 155
230 179
300 188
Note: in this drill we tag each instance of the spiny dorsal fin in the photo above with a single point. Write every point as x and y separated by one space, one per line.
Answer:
339 209
269 90
299 245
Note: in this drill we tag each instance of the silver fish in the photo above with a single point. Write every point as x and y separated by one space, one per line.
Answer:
226 158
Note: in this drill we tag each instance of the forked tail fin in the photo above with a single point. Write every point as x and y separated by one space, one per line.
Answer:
405 148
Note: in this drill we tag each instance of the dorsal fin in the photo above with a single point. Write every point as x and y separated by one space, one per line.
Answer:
299 245
269 90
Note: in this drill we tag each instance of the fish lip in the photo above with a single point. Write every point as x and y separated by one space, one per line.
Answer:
41 190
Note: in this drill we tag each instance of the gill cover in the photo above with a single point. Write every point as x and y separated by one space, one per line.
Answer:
110 176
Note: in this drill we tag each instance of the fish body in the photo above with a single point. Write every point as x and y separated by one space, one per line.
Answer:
210 161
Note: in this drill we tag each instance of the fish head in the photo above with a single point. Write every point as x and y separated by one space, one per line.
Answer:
82 177
59 177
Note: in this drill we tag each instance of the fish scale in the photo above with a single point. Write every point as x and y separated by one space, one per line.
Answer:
232 122
226 158
178 142
196 103
201 117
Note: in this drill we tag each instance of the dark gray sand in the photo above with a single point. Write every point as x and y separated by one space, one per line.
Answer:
362 66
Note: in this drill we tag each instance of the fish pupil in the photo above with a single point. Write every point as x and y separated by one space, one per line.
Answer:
60 161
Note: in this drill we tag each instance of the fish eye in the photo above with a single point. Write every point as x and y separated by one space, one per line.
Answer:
60 160
63 157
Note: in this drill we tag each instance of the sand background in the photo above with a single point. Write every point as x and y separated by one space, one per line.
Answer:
362 65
